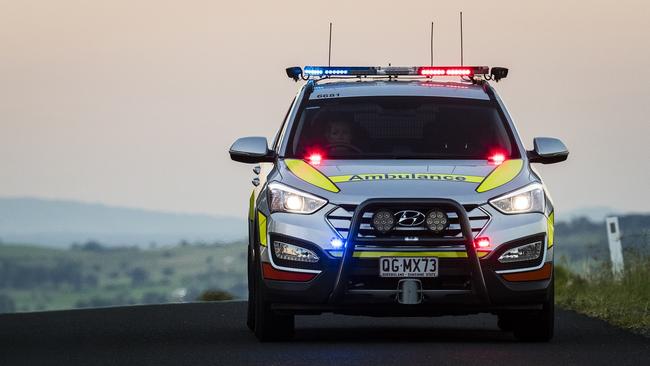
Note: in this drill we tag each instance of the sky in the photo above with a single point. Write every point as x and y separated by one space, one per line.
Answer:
135 103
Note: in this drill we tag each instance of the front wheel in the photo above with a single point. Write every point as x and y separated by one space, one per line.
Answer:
537 326
250 318
268 325
506 322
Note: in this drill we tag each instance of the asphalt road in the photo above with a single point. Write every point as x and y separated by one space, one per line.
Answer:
215 334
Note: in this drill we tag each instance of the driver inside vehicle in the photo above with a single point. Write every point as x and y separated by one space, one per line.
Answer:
339 138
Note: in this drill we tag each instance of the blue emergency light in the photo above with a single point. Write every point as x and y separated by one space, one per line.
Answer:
339 70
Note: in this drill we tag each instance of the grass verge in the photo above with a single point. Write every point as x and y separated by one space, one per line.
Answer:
625 303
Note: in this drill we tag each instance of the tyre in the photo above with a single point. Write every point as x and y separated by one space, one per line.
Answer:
250 318
268 325
506 322
538 326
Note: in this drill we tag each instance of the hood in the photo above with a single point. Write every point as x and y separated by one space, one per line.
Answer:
359 180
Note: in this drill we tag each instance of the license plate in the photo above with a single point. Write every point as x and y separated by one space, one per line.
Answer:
408 267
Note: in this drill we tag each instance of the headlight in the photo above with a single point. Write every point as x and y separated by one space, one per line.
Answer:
527 199
294 253
522 253
287 199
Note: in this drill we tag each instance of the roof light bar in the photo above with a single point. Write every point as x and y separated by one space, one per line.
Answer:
428 71
497 73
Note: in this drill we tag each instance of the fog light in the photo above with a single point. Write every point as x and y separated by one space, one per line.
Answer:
437 221
294 253
522 253
383 221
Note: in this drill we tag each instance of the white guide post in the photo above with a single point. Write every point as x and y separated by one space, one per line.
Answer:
615 249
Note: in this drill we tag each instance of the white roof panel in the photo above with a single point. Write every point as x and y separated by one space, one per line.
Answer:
424 88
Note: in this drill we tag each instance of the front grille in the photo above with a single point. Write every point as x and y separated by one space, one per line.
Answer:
340 218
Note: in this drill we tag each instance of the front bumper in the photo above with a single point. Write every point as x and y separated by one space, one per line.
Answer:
466 284
314 296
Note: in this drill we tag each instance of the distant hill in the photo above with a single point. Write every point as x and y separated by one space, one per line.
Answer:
59 223
592 213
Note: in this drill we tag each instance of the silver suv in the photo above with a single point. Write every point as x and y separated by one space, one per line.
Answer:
388 193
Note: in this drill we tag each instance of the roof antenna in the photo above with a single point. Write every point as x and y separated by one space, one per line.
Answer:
329 54
431 43
461 38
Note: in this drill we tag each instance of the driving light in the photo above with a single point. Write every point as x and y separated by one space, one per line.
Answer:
383 221
286 199
522 253
524 200
437 221
295 253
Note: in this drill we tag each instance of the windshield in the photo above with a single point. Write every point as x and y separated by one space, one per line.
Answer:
400 128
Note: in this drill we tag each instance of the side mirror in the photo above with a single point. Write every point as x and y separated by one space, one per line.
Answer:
548 150
251 150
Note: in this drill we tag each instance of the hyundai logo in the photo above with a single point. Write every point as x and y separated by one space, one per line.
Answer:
409 218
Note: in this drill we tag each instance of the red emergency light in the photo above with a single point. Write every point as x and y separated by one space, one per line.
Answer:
497 158
314 158
468 71
482 243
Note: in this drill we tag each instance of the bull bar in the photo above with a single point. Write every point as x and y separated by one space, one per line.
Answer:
478 286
